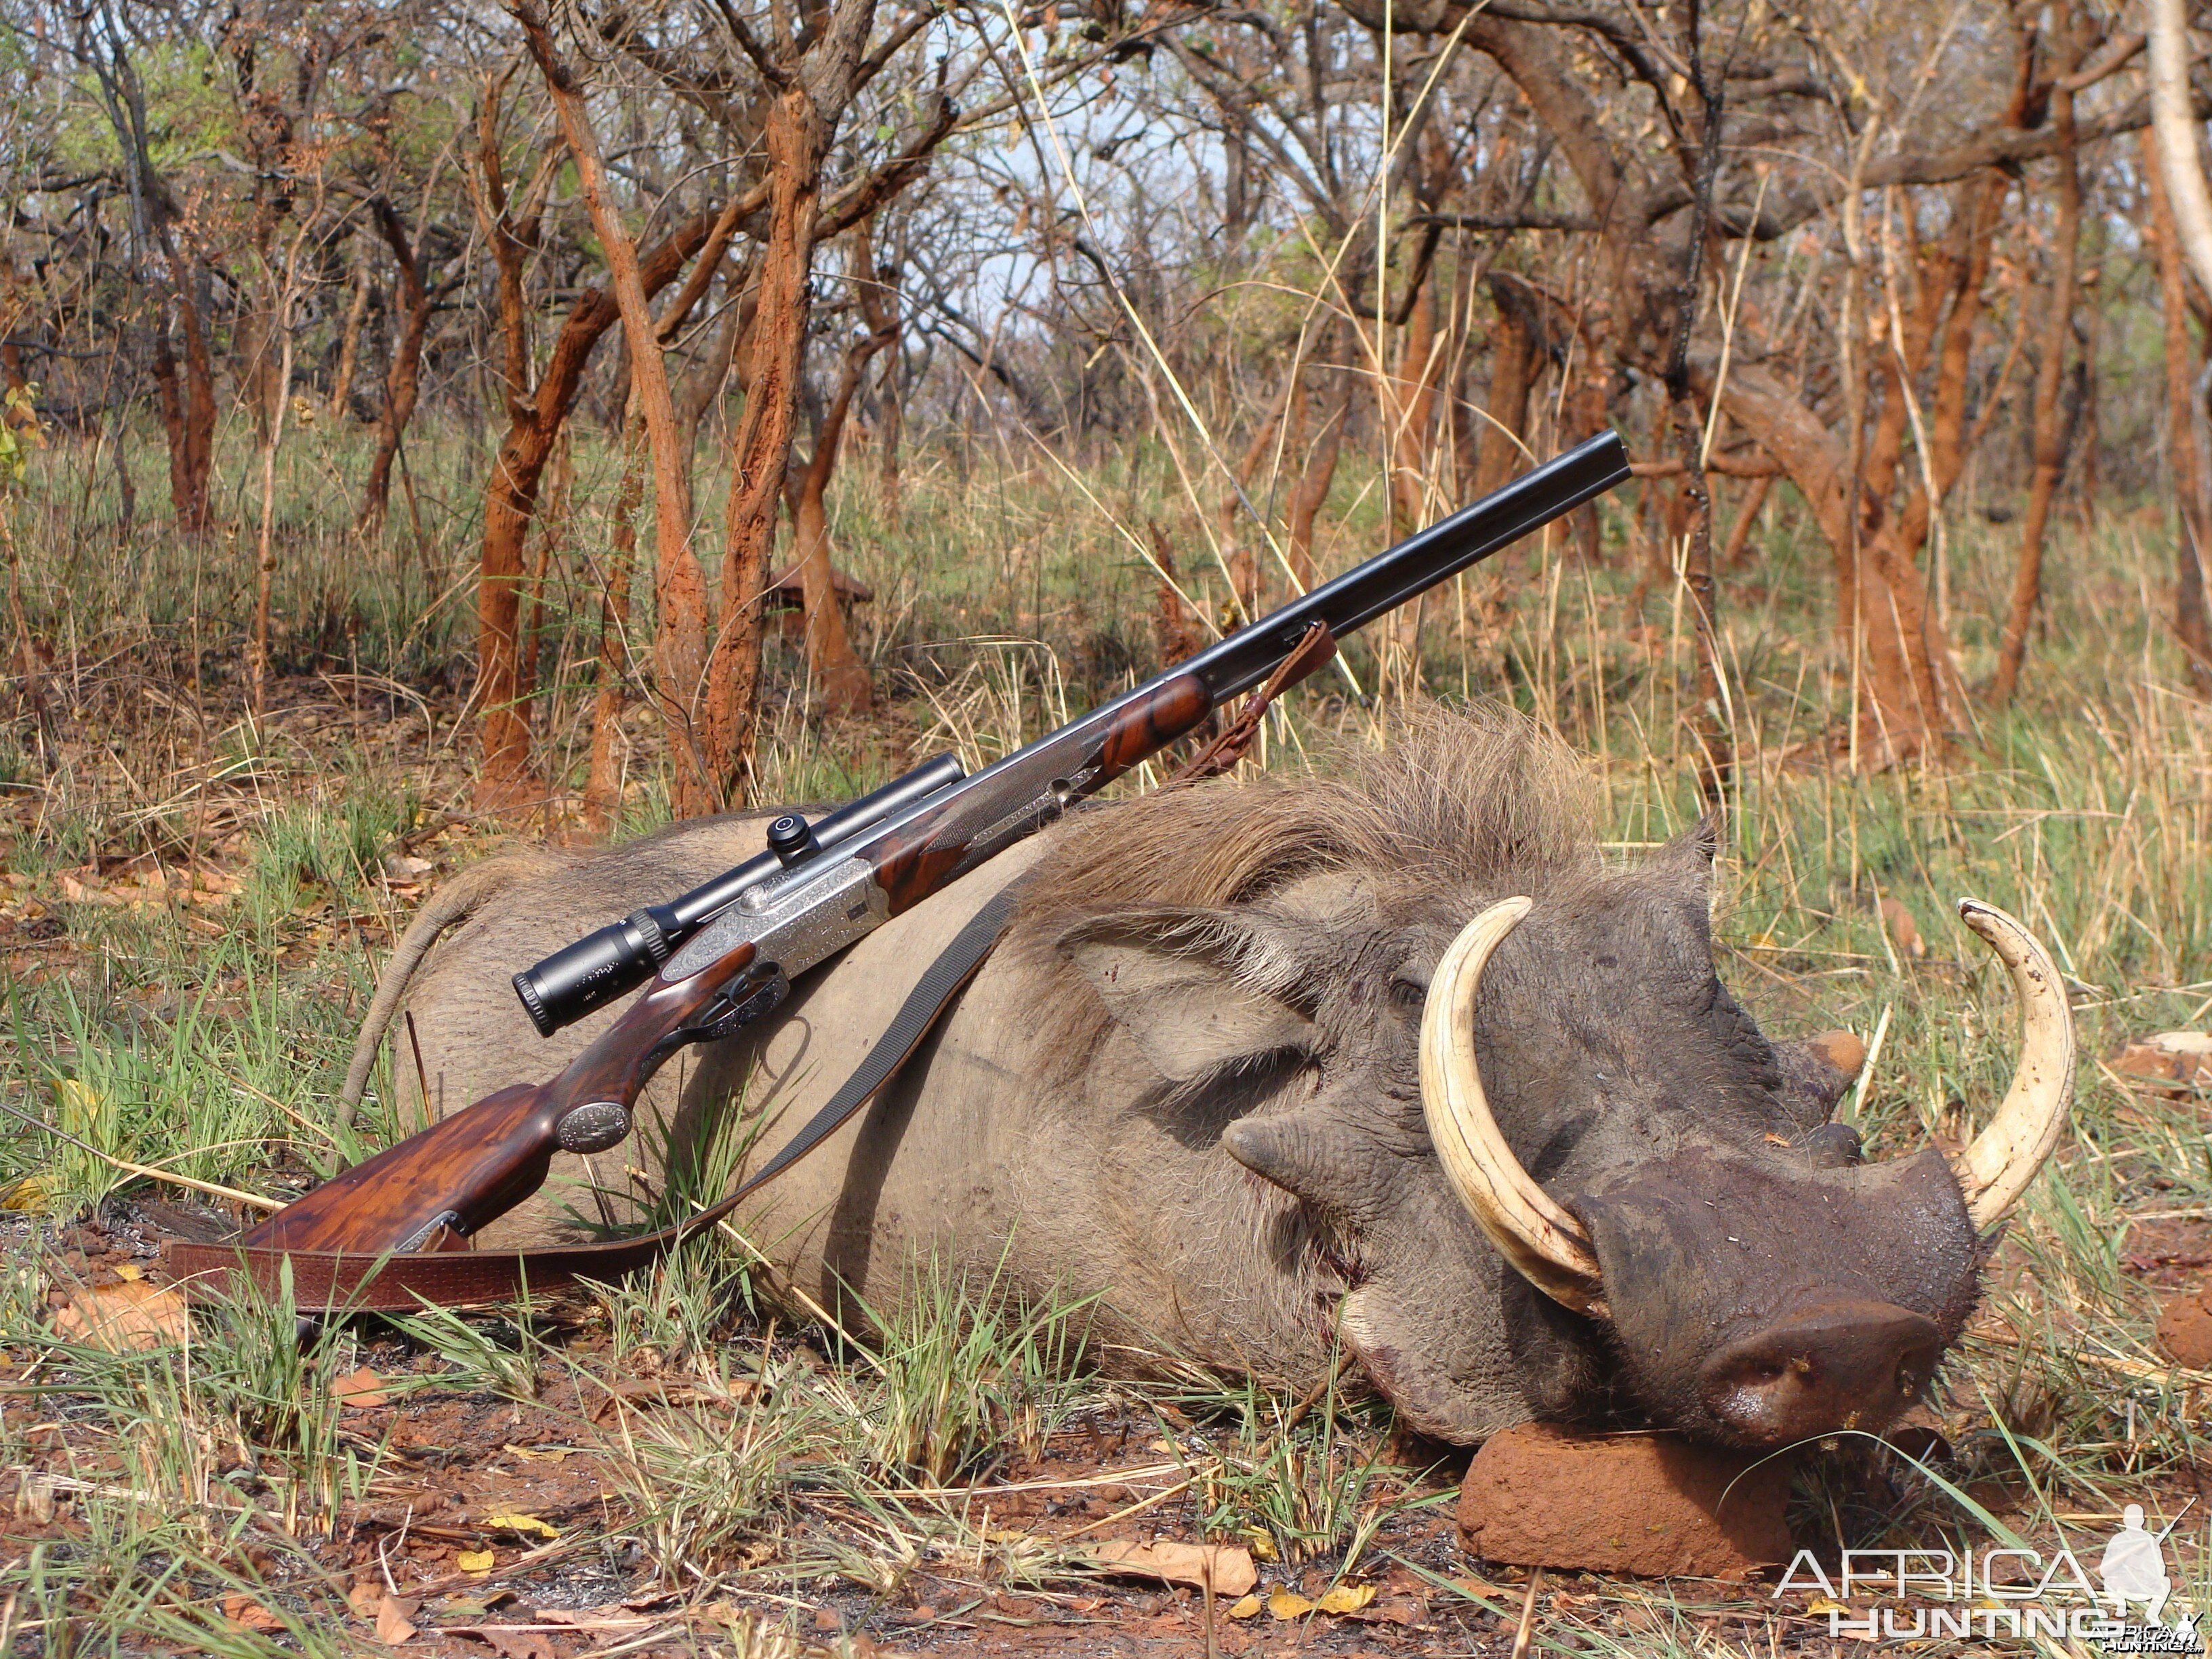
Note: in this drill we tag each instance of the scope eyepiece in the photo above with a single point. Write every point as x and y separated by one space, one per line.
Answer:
595 970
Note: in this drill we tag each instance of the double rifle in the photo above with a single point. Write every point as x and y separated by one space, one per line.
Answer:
723 956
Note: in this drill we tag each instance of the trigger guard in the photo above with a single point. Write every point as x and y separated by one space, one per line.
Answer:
763 1001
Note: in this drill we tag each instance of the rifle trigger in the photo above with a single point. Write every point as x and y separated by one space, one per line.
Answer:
768 987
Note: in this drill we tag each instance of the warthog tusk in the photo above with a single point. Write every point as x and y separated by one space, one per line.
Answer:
2015 1142
1544 1243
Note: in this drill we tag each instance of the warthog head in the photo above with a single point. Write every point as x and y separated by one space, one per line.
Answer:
1518 1134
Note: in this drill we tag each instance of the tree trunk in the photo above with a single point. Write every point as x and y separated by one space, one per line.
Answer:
265 562
2189 609
603 784
795 141
2175 121
839 678
349 345
187 405
2049 414
1746 520
704 386
511 498
1410 411
1980 208
1314 457
1881 594
880 306
679 583
1514 347
401 378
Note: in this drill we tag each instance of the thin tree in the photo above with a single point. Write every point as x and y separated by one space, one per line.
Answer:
680 641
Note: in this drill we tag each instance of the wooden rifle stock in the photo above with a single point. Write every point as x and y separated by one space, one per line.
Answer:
463 1172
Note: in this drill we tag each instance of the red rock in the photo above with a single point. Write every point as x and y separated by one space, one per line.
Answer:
1645 1505
2184 1329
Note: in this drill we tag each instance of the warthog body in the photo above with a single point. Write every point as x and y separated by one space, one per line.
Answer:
1188 1081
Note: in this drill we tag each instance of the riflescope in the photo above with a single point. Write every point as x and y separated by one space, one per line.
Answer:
602 966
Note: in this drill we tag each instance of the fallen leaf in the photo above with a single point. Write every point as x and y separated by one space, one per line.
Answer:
2181 1061
405 867
1245 1608
540 1454
528 1525
1820 1604
1346 1598
1904 932
359 1390
129 1270
393 1620
1263 1543
78 892
474 1560
1287 1604
246 1613
28 1195
132 1316
1229 1566
513 1644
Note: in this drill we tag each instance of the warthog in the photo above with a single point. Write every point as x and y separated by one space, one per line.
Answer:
1390 1056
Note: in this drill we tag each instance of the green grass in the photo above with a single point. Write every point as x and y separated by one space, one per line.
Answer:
209 1038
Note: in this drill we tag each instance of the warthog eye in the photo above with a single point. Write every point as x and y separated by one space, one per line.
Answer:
1407 997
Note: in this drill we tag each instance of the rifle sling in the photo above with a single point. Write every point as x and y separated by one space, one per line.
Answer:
335 1284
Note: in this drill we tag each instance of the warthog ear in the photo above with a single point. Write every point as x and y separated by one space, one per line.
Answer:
1198 991
1816 1073
1690 855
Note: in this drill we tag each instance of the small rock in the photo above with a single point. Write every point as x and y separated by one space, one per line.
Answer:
1644 1505
2184 1329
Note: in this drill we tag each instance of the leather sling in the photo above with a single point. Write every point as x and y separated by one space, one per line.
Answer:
335 1284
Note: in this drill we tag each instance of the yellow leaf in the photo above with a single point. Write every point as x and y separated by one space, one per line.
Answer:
474 1560
1287 1604
1346 1598
526 1524
1245 1609
28 1195
1263 1543
80 1102
1822 1604
129 1270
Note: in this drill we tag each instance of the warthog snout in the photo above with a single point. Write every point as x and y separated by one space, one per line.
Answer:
1847 1365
